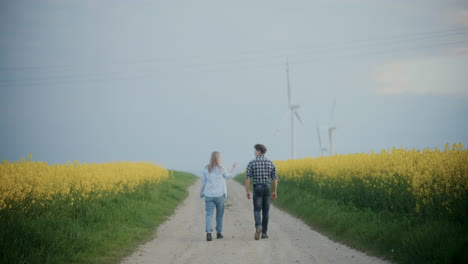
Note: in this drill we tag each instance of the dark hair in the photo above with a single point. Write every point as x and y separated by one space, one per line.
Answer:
261 148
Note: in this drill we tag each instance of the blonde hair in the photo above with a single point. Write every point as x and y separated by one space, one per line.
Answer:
214 161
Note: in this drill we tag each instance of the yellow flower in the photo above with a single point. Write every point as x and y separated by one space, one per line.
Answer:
39 182
425 181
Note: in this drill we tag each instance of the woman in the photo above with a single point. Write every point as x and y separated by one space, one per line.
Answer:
215 192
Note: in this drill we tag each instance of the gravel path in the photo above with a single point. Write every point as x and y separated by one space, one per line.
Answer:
181 239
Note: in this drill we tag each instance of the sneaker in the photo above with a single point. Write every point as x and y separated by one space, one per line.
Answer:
257 233
264 236
208 237
219 235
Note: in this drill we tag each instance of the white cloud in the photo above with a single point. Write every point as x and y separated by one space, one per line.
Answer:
461 50
437 75
461 17
392 78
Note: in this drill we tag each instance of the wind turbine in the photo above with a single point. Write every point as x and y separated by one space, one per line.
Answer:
322 149
294 114
332 129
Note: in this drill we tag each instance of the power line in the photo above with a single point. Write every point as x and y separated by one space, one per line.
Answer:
353 43
375 47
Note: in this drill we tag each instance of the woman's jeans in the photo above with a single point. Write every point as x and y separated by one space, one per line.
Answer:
210 204
261 203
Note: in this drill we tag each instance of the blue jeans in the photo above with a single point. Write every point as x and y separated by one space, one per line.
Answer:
261 203
210 204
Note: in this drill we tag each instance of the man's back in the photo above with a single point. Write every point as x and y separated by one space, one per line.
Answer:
261 169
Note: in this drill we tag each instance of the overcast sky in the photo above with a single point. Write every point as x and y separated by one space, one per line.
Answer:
171 81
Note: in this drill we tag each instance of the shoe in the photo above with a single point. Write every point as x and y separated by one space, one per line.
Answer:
208 237
219 235
264 236
257 233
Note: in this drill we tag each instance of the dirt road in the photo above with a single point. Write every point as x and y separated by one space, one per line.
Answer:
181 239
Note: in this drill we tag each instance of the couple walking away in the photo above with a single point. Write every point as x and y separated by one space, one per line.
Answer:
261 170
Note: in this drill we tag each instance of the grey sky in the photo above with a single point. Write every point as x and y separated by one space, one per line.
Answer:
172 81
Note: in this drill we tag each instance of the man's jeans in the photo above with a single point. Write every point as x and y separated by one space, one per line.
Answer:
261 202
210 204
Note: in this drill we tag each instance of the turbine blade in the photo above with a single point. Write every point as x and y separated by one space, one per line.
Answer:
287 82
319 139
332 113
297 115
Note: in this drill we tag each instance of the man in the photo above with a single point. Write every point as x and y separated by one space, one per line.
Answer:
262 171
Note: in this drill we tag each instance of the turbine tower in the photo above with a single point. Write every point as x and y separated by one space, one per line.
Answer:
332 129
322 149
294 114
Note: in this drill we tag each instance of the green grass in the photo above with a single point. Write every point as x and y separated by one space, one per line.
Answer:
398 237
99 231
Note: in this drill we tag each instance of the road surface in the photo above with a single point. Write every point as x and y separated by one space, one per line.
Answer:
182 238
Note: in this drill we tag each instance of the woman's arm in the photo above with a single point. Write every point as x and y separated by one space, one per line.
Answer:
205 172
231 173
234 166
202 189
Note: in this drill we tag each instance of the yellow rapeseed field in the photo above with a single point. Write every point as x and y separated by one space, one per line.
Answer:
423 182
27 182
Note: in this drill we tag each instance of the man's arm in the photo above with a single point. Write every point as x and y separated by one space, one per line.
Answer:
247 187
274 177
275 187
248 175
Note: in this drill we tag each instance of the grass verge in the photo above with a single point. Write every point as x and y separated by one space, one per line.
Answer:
99 231
399 238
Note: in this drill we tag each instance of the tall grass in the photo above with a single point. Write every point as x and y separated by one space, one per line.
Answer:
98 230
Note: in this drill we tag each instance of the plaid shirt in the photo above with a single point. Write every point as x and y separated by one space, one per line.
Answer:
261 170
